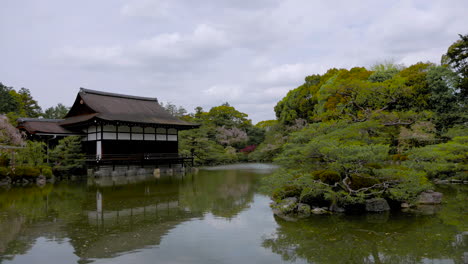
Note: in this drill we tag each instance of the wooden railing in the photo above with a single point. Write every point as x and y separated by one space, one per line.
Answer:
139 158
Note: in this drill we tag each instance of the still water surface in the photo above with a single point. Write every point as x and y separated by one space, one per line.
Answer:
215 216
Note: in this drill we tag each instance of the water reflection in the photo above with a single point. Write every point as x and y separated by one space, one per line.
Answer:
379 238
106 217
215 216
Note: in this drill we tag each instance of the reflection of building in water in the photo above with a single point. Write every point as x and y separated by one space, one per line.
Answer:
108 216
120 219
124 180
99 216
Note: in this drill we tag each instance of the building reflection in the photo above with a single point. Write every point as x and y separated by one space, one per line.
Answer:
106 217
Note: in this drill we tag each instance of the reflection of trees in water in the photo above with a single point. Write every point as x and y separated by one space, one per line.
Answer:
118 218
32 212
10 227
372 238
224 193
136 213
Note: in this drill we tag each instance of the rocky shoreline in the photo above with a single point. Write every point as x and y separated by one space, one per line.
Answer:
291 208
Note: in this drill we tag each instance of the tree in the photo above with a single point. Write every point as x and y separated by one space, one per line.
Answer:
174 110
9 135
227 116
67 155
28 107
384 71
231 136
7 101
33 154
56 112
457 58
344 164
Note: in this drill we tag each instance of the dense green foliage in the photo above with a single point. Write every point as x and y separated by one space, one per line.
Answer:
226 135
20 103
32 160
457 58
371 133
56 112
67 156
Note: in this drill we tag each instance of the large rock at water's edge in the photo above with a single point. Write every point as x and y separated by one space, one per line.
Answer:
286 206
303 210
335 208
319 211
41 180
430 197
377 205
5 181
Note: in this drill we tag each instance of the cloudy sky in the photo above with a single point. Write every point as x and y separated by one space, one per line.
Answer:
206 52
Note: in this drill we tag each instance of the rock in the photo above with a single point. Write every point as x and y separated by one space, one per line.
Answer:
441 181
377 205
405 205
427 209
378 218
5 181
336 208
430 198
286 206
303 209
41 180
319 211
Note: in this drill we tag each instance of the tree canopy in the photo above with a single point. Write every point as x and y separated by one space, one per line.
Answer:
353 134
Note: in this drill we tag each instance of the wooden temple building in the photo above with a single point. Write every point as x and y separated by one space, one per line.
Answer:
116 129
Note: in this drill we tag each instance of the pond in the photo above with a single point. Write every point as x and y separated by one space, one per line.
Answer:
216 215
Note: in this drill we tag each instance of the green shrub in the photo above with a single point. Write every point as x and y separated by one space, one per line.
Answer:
4 160
4 172
17 172
374 165
287 191
363 180
316 174
46 171
326 176
315 196
31 172
399 157
25 172
330 177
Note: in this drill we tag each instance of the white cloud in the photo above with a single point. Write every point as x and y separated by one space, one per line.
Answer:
93 57
146 8
288 73
204 42
206 52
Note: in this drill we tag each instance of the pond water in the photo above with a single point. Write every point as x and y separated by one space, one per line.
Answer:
214 216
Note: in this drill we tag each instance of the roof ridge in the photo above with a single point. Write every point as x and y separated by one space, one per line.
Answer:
23 119
85 91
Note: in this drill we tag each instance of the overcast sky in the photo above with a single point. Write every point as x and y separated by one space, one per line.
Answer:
249 53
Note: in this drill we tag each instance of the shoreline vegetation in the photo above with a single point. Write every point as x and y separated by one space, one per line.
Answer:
374 139
348 140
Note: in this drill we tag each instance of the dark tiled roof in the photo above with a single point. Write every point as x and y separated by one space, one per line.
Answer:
43 126
77 119
125 108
